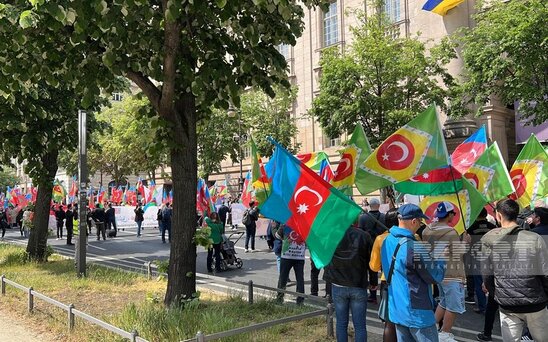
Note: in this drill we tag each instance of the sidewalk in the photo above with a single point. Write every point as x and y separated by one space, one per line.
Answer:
15 331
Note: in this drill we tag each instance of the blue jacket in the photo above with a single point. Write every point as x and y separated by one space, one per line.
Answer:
410 301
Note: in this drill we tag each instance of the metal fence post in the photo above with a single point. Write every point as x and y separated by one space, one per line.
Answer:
250 292
3 285
134 335
200 337
330 330
70 317
149 270
31 300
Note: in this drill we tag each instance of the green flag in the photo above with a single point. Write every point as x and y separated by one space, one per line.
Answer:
354 154
259 180
468 204
414 149
490 176
530 173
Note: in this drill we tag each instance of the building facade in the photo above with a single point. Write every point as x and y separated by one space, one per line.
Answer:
333 28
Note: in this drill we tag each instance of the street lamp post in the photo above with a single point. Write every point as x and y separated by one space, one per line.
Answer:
82 194
232 112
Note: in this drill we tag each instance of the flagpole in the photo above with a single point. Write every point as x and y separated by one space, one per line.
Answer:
458 198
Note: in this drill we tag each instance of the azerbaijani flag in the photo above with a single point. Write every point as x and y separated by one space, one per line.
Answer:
530 173
469 150
354 154
203 198
436 182
490 176
414 149
441 6
259 178
247 190
308 204
471 203
446 180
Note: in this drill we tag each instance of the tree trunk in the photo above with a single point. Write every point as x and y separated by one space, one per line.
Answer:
38 238
181 283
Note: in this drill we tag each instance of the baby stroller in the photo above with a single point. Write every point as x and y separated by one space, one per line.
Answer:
228 254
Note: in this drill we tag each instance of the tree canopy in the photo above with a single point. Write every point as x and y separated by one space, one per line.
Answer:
184 55
506 54
264 116
381 80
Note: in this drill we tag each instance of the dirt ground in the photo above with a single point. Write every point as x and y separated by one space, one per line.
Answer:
14 329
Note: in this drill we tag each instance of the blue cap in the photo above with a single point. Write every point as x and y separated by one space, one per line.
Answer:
411 211
444 208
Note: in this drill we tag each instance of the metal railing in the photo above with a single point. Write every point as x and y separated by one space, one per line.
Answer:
133 336
328 311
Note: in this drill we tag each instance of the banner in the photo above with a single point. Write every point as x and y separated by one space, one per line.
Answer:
125 217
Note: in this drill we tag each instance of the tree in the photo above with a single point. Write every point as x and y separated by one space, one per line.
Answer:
184 55
7 178
506 54
34 130
216 141
381 80
265 116
134 144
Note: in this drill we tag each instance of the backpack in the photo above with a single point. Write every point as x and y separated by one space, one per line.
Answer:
159 215
247 219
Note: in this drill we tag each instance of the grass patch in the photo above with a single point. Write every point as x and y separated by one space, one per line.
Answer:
130 301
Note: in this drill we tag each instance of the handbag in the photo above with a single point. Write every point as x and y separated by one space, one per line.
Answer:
383 305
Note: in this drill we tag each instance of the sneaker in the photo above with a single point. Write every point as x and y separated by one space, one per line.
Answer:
247 250
483 337
252 251
446 337
470 300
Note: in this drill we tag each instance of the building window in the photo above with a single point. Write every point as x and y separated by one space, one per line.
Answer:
330 25
392 8
333 142
246 152
284 50
117 97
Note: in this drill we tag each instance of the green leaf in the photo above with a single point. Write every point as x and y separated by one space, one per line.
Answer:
220 3
27 19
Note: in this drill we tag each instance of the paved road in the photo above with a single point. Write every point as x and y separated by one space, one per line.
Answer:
129 252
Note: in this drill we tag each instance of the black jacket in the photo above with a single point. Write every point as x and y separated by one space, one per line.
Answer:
69 215
351 260
98 215
369 225
516 266
111 214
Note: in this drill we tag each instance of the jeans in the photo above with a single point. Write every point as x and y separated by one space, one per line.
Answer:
406 334
111 224
314 275
346 299
166 227
285 267
490 311
250 235
512 325
59 229
482 301
70 230
139 223
217 249
100 226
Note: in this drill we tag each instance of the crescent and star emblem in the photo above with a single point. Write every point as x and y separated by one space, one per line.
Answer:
405 151
396 153
303 207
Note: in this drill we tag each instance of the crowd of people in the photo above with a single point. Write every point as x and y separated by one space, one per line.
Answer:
428 272
103 218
